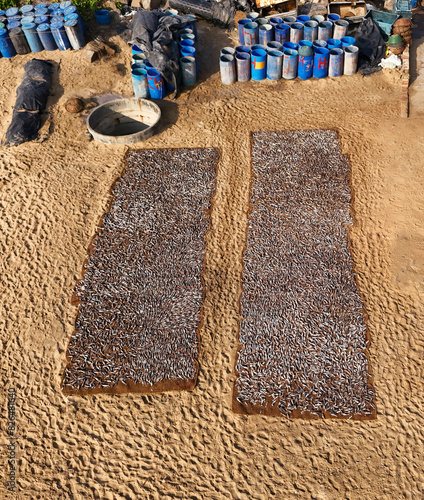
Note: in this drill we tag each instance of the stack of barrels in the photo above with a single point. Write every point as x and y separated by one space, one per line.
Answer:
34 28
148 81
290 47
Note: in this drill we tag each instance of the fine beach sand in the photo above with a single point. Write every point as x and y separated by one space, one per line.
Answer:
190 445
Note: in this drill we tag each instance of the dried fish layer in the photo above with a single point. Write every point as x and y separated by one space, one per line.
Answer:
303 336
140 298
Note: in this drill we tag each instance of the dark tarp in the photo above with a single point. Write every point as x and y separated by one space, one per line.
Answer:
371 46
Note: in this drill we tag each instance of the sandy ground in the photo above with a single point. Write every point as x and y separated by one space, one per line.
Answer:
190 445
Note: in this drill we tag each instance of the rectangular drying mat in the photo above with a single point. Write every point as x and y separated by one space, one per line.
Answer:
140 298
303 336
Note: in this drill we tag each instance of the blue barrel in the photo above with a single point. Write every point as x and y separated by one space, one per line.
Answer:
290 45
310 31
185 31
19 41
289 19
252 16
325 30
139 81
12 11
40 6
251 34
70 10
187 43
350 60
191 51
188 70
229 51
41 20
290 63
282 33
243 48
340 28
32 37
188 36
333 17
147 64
261 21
333 43
320 62
6 46
303 19
274 46
274 65
135 49
240 27
275 21
53 7
75 16
258 64
156 84
60 36
320 44
296 32
41 12
26 9
65 5
227 68
13 24
75 34
138 66
243 66
256 47
266 34
347 41
57 18
102 16
139 57
27 20
46 37
335 62
306 60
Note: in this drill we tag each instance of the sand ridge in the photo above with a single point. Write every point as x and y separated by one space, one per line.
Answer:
191 445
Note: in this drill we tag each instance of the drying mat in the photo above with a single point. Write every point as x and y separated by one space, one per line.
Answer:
303 335
140 299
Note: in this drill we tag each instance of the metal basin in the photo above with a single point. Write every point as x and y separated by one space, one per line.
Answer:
124 121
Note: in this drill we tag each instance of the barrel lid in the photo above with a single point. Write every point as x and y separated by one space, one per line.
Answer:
43 27
71 17
40 6
54 6
15 31
66 4
3 31
70 9
71 22
2 12
41 19
41 12
13 24
26 8
27 19
56 25
12 11
29 26
56 18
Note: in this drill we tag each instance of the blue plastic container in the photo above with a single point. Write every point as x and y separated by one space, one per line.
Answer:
303 19
139 57
258 64
261 21
320 62
290 45
251 34
227 69
186 43
243 66
188 36
13 24
6 46
60 36
188 70
274 46
282 33
333 17
46 37
57 19
139 81
41 20
240 27
190 51
305 63
73 16
289 19
156 84
296 32
75 33
26 9
320 44
257 46
333 43
252 16
40 6
274 65
347 41
135 49
243 48
27 20
53 7
325 30
65 5
12 11
70 10
335 62
102 16
266 34
229 51
41 12
32 37
290 63
310 31
275 21
350 60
